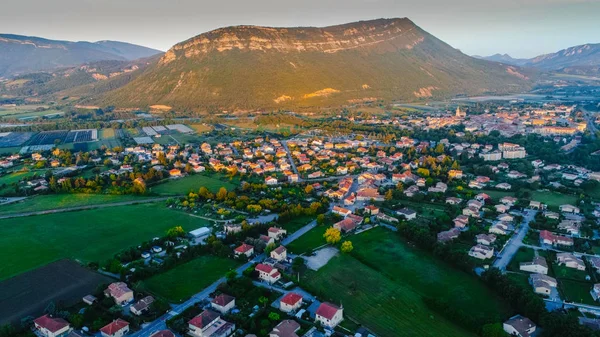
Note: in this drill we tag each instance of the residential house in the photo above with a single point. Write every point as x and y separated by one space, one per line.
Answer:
209 324
329 315
267 273
116 328
542 284
407 214
119 292
346 225
595 292
223 303
142 305
570 226
163 333
49 326
276 232
453 200
519 326
244 249
448 235
481 252
486 239
569 208
538 265
550 238
570 261
286 328
279 254
341 211
290 302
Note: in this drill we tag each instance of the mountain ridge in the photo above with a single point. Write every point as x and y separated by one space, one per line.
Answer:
255 67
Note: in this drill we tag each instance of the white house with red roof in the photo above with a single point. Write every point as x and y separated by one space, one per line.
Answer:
276 232
209 324
244 249
116 328
290 302
279 253
329 315
52 327
223 303
267 273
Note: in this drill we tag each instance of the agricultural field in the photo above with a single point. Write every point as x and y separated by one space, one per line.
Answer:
424 274
309 241
384 306
201 128
63 281
193 183
27 111
57 201
189 278
87 236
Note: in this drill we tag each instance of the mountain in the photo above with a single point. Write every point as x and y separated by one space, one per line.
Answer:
26 54
580 60
503 58
251 67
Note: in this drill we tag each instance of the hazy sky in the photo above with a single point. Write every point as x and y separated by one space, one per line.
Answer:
522 28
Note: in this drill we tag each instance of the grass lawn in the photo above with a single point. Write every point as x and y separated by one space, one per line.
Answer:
193 183
108 133
182 282
295 224
93 235
17 176
497 195
424 274
576 291
309 241
563 272
520 279
386 307
46 202
524 254
553 199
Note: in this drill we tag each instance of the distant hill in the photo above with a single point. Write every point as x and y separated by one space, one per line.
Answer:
26 54
250 67
581 60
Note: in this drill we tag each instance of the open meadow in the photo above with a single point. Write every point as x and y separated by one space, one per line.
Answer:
87 236
193 183
190 278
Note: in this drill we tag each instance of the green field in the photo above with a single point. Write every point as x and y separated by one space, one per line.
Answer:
576 291
46 202
424 274
553 199
93 235
563 272
309 241
183 281
192 183
524 254
17 176
386 307
26 111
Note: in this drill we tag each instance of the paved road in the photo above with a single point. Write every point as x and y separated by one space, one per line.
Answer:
159 323
515 242
80 208
589 118
284 143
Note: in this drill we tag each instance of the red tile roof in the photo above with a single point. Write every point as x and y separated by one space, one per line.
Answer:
291 298
204 319
264 268
327 310
50 323
163 333
114 326
223 300
280 250
244 248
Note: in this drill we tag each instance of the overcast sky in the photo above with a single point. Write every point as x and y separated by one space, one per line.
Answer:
521 28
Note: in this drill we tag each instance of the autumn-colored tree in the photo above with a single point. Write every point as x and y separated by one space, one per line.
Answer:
320 219
332 235
399 186
308 189
222 194
389 195
347 247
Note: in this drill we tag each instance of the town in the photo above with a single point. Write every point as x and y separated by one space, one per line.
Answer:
467 219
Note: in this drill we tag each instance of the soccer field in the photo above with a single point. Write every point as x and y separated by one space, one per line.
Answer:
93 235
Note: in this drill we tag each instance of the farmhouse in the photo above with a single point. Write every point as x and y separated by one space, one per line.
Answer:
519 326
267 273
52 327
119 292
116 328
290 302
538 265
329 315
209 324
223 303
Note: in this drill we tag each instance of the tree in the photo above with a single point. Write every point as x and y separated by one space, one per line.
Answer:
222 194
175 232
332 235
493 330
263 300
308 189
389 195
320 219
347 247
274 316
